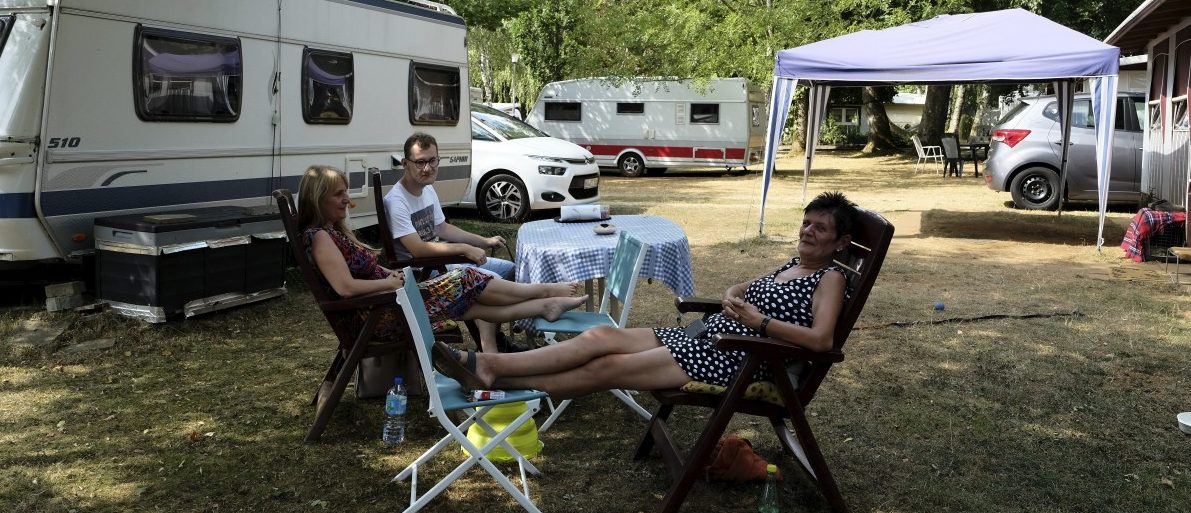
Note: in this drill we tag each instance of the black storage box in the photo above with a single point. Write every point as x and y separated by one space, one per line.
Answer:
188 262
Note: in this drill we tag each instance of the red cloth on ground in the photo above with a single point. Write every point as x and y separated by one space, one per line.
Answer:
733 460
1146 224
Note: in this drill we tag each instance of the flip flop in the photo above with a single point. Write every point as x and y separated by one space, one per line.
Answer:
446 360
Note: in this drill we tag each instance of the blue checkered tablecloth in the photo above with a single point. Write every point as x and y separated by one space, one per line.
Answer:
549 251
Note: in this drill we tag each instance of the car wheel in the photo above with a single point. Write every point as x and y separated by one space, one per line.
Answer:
631 165
503 198
1036 188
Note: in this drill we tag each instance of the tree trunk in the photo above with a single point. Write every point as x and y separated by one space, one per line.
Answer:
934 114
798 141
485 75
880 135
979 131
957 109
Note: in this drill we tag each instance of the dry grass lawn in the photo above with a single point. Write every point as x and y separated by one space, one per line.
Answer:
1073 410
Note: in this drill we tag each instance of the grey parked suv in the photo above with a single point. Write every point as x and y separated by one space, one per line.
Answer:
1024 158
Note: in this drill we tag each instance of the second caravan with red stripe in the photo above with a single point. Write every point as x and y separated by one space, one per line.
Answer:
651 124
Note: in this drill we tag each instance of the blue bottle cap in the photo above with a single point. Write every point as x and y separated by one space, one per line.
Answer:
397 380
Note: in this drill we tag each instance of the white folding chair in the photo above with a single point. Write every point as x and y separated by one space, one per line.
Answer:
927 153
627 260
447 395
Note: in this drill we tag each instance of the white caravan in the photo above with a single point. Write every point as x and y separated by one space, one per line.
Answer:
656 123
114 107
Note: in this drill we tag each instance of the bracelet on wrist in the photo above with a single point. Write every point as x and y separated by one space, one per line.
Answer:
764 327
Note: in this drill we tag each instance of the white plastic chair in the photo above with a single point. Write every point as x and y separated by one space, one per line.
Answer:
627 260
447 395
926 153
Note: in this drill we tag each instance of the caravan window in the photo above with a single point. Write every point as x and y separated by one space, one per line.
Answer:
434 93
564 111
5 27
328 87
845 115
630 108
705 113
181 76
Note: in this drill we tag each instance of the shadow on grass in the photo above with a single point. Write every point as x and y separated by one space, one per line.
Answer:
1017 226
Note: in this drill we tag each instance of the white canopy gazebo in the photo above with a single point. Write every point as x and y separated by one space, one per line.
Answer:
1009 46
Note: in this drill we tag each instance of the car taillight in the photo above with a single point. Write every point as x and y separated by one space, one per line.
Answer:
1009 137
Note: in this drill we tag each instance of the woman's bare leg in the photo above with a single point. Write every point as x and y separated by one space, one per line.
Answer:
504 292
487 336
571 354
653 369
550 308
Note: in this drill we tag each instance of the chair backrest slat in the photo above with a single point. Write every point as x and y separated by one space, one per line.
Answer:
627 259
387 245
871 236
289 219
918 146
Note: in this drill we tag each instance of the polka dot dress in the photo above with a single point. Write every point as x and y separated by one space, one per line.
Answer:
789 302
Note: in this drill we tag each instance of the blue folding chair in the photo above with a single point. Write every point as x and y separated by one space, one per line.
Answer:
447 395
627 260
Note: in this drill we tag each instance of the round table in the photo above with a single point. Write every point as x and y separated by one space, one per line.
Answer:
550 251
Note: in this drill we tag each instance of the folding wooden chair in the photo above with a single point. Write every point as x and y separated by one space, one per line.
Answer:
627 259
446 395
353 346
870 241
425 266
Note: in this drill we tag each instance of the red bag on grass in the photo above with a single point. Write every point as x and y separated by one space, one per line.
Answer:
733 460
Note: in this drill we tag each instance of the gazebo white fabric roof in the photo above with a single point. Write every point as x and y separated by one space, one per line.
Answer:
1012 45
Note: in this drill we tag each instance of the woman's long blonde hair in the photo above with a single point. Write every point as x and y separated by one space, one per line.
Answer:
316 183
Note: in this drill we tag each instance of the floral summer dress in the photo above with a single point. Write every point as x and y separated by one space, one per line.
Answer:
446 296
789 302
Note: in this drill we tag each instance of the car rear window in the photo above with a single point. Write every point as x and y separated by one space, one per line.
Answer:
1013 112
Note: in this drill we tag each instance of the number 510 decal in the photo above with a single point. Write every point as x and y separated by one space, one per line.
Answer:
64 142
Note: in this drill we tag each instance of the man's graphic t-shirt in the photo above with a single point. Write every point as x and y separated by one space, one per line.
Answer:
413 214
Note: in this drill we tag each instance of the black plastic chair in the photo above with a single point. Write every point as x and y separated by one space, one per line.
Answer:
953 160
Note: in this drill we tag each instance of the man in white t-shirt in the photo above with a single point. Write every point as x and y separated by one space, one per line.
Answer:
420 228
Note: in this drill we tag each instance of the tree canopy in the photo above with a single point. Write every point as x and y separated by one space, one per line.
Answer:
563 39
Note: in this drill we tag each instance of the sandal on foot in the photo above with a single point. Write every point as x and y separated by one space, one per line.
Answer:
446 360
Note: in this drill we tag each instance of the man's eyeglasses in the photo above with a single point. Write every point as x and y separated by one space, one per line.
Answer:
424 163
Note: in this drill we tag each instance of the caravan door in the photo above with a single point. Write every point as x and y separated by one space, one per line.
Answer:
24 47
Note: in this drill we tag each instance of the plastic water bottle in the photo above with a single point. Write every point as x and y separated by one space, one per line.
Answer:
769 502
395 402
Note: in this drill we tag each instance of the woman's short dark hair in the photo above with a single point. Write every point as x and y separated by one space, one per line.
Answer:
842 210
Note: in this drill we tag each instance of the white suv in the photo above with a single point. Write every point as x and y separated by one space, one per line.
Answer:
516 168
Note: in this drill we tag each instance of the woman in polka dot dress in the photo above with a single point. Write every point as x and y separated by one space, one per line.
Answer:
797 303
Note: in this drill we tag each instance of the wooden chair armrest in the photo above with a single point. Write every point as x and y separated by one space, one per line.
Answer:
359 302
770 347
697 304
